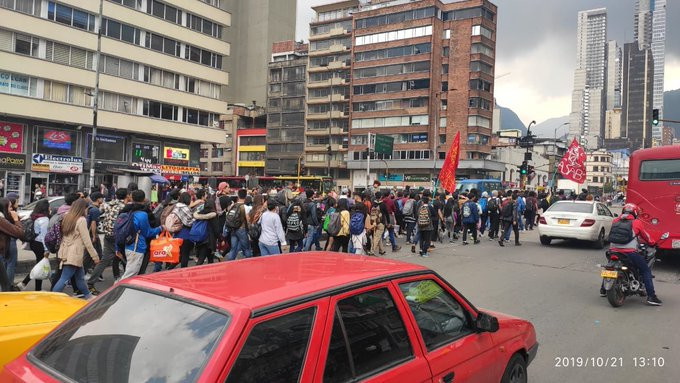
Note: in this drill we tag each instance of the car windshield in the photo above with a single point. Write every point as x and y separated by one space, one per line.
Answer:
129 335
571 207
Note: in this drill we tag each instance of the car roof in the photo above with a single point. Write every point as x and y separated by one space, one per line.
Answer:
262 282
576 201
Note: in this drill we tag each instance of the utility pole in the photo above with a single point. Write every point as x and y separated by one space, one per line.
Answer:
95 105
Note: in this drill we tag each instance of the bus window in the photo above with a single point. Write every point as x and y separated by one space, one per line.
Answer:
660 170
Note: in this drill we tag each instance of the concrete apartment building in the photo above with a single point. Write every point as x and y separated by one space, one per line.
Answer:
162 89
421 72
599 168
328 89
286 108
589 97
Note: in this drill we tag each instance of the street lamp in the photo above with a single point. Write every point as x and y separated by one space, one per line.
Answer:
95 105
330 115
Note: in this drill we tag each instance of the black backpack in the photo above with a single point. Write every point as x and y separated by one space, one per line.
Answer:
507 209
492 205
233 217
29 229
621 232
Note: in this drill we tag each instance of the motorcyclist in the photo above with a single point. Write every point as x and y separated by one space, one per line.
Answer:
626 234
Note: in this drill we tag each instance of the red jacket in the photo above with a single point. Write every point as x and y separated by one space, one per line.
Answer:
638 231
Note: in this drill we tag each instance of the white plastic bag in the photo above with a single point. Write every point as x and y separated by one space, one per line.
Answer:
42 270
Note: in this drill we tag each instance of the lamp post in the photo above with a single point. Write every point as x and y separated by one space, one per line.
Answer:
330 115
95 105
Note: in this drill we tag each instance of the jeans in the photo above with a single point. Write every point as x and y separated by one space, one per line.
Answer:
393 240
646 274
531 219
11 261
309 238
317 236
69 271
239 241
108 254
134 263
507 226
520 221
482 227
471 227
410 231
296 245
269 250
39 252
203 251
494 227
341 242
5 284
425 236
377 246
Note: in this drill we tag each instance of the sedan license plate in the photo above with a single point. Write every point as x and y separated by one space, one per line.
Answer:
563 221
609 274
676 244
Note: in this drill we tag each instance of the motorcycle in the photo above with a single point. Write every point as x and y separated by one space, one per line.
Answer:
620 278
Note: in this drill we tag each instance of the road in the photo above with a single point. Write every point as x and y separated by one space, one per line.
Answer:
556 288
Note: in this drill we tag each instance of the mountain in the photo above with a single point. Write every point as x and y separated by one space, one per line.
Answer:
546 129
509 120
671 108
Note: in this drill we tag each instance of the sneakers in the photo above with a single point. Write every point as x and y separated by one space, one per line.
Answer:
465 243
21 286
654 301
501 243
426 255
93 290
413 249
518 244
396 249
603 292
88 276
477 242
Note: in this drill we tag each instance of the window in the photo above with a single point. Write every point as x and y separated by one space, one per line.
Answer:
275 75
275 349
204 154
31 7
479 66
481 103
479 84
447 34
393 35
217 166
368 335
658 170
445 51
479 121
483 49
445 85
478 30
393 52
390 70
22 44
104 328
440 318
394 18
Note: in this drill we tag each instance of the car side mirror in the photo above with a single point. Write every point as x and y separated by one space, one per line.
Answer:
486 322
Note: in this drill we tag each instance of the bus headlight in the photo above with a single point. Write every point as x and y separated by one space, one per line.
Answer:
655 221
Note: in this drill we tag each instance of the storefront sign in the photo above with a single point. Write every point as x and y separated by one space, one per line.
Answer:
56 139
178 154
145 153
143 166
11 137
51 163
184 170
13 84
416 178
13 161
392 177
107 147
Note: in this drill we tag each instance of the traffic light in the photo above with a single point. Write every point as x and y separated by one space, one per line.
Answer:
523 168
655 117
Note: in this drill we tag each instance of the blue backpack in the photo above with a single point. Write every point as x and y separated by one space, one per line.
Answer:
124 231
357 223
199 231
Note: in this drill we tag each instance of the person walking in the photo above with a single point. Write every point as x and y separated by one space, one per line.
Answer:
271 234
13 252
182 212
109 215
484 215
341 241
295 232
359 221
330 209
40 216
449 219
237 222
493 211
10 228
530 210
378 225
409 216
134 252
424 219
206 249
509 215
470 218
75 240
311 219
256 211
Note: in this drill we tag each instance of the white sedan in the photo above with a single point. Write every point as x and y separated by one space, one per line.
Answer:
582 220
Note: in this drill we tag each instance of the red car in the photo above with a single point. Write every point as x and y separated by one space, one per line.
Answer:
307 317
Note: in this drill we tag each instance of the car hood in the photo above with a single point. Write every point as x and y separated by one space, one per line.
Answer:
29 308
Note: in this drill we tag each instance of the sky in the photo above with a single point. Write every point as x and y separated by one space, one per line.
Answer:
536 48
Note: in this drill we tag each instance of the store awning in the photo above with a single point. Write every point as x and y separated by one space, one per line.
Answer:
159 179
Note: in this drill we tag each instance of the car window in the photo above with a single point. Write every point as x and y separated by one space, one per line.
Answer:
571 207
439 316
134 336
275 350
609 212
368 336
601 210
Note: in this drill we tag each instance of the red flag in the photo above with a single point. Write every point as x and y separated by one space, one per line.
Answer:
573 164
447 176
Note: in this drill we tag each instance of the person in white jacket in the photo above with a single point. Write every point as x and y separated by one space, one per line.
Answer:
40 217
272 233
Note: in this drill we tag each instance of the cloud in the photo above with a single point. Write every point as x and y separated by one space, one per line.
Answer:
672 73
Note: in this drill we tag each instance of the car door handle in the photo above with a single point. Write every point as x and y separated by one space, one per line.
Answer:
448 378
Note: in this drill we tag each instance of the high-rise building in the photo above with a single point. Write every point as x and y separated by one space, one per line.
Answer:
642 23
590 94
257 24
162 89
636 110
659 54
667 136
613 124
286 102
328 88
613 75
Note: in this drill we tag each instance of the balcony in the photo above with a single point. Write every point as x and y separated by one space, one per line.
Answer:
336 81
324 132
326 116
336 48
333 65
326 99
338 31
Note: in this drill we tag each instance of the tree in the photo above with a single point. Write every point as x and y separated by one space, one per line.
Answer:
608 187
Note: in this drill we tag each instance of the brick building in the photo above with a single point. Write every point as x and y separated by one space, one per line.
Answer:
421 72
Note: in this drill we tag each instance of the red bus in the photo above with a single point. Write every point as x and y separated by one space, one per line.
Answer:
321 184
654 185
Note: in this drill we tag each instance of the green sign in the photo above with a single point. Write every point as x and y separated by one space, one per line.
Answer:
384 144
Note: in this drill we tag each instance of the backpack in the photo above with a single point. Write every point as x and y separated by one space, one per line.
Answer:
233 219
199 231
294 223
357 223
467 212
53 236
507 209
172 223
327 218
124 231
335 224
109 216
408 207
29 229
255 230
165 212
492 205
376 215
621 232
530 205
424 216
281 198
